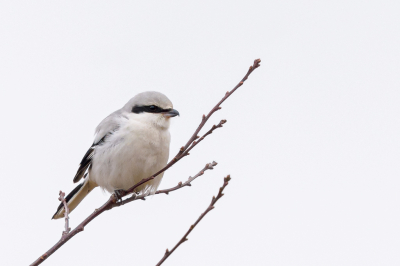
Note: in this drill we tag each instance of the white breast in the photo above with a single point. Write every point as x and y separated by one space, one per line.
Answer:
135 151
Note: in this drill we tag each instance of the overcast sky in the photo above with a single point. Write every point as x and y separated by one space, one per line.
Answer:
312 139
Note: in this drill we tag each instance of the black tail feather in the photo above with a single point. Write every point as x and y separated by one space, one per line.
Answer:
70 195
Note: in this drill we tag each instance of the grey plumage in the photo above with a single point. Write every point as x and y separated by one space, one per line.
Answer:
130 144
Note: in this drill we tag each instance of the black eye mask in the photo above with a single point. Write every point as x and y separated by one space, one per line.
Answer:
148 109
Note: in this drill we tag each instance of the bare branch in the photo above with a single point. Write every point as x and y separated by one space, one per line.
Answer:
208 166
66 212
209 208
134 197
194 143
255 65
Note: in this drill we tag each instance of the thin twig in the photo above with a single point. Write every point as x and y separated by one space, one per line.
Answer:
209 208
184 151
66 212
134 197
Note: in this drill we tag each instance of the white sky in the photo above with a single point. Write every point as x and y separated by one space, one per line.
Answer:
312 139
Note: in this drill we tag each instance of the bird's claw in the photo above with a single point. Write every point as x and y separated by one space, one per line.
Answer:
119 193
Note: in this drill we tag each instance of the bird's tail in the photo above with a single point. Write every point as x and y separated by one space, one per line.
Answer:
75 197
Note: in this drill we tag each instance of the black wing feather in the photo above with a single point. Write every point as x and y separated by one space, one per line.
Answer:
87 160
84 165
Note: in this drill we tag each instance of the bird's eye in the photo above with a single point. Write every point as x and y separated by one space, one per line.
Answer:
152 107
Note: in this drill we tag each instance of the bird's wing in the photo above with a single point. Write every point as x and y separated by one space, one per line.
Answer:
108 126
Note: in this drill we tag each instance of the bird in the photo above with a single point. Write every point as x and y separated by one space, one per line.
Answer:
130 144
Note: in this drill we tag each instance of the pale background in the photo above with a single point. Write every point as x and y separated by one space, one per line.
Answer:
312 139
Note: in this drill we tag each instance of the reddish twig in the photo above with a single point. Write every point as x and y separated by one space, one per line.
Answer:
66 212
208 166
209 208
134 197
184 151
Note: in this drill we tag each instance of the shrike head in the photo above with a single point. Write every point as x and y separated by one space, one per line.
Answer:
151 107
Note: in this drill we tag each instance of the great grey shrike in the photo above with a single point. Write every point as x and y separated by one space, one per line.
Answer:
130 144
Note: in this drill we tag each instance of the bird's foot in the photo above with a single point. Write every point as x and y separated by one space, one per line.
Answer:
119 193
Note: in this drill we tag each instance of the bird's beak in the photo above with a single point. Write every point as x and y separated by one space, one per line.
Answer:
171 113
